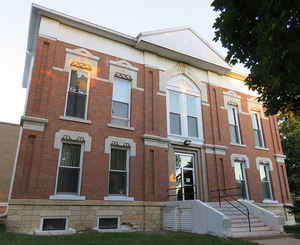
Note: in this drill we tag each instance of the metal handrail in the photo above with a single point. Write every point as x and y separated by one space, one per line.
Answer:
227 195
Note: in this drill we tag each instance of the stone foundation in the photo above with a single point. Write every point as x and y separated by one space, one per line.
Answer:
278 209
25 215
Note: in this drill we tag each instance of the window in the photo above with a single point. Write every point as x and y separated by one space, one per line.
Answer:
257 129
175 117
69 172
118 172
234 128
108 223
54 224
76 105
121 102
241 180
184 114
264 170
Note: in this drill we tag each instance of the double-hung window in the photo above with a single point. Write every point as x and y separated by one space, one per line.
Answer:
175 113
76 105
264 170
257 129
241 180
69 171
184 114
121 102
192 116
234 127
118 172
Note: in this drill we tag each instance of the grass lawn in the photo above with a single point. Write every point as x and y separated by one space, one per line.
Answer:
295 230
91 238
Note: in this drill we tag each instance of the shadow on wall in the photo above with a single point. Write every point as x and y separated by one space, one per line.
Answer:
8 144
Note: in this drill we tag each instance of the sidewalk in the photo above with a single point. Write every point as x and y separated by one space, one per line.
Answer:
279 241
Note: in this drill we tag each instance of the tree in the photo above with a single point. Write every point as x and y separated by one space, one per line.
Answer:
289 128
265 37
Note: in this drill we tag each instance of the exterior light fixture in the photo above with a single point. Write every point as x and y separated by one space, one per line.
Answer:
187 142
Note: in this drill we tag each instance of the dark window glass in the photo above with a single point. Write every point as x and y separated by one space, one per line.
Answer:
77 94
175 123
69 169
234 134
70 155
108 223
265 181
120 109
54 224
192 126
118 172
68 180
118 159
233 125
117 183
258 138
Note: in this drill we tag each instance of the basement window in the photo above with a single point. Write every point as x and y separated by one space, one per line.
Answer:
108 223
54 224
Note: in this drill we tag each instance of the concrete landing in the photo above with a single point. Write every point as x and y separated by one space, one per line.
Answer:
279 241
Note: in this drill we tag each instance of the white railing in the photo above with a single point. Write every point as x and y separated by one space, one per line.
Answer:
197 217
269 218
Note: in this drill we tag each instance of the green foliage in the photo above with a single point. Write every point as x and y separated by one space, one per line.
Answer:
289 128
95 238
294 230
264 36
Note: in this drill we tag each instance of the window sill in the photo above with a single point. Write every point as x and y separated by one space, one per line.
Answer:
118 198
74 119
120 229
239 145
261 148
268 201
119 127
47 233
67 197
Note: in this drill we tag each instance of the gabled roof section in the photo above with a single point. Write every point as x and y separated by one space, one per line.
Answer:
185 41
179 44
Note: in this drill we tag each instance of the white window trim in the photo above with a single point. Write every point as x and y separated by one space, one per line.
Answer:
266 161
244 166
67 196
127 168
108 230
263 146
67 230
184 115
129 106
241 158
87 95
236 113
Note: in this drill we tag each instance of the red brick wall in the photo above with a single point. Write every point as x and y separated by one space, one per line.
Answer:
38 160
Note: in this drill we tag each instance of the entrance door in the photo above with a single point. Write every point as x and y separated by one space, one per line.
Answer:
241 181
185 181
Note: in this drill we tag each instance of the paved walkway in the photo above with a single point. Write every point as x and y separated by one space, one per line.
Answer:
279 241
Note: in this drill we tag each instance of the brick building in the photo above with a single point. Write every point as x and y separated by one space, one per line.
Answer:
116 126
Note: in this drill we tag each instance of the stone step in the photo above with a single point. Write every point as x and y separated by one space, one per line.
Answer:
256 234
240 225
254 229
241 221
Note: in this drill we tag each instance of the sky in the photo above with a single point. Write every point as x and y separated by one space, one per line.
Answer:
129 17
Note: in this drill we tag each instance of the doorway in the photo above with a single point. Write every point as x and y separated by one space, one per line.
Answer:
185 176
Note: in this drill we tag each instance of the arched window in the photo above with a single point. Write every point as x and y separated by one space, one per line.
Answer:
184 109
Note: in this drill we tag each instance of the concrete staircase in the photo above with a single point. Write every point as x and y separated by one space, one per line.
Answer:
240 224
